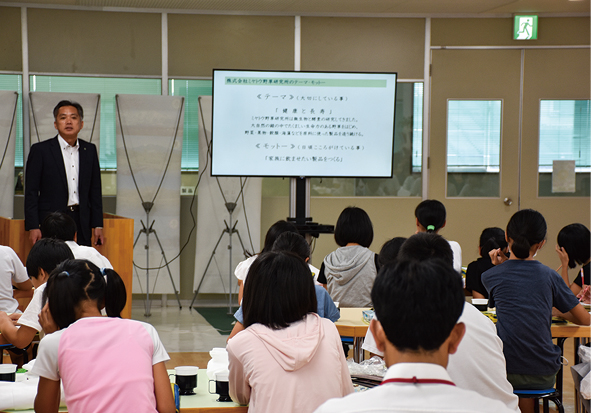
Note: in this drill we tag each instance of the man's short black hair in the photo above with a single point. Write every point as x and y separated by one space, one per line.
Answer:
353 226
389 252
574 238
63 103
278 290
431 214
59 226
418 303
46 254
424 246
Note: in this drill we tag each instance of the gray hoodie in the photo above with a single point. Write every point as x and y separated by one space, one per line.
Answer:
350 273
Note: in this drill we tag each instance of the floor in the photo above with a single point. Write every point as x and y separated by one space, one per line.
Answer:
181 331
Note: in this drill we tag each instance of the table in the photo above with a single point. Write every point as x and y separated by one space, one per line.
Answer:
351 324
204 402
201 402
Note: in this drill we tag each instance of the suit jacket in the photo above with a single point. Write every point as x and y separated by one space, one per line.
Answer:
46 186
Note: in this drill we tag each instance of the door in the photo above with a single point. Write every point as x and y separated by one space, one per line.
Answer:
478 193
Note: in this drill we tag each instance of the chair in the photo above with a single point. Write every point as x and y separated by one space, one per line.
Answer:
15 350
545 395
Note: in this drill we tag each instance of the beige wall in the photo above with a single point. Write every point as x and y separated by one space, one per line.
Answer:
73 41
11 56
129 44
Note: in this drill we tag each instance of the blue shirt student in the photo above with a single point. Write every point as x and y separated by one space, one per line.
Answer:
326 307
524 292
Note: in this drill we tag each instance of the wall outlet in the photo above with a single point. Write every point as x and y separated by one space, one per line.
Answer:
187 190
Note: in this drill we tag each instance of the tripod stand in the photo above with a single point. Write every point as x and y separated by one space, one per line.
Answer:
150 230
230 230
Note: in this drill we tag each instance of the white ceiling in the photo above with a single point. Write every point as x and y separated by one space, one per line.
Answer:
332 7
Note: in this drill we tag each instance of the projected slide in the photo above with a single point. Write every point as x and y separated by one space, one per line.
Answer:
303 124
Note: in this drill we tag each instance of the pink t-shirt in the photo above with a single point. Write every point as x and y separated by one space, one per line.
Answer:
105 365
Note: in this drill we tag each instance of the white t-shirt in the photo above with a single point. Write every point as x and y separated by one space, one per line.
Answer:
46 364
479 363
418 398
30 317
105 364
82 252
457 251
242 268
11 270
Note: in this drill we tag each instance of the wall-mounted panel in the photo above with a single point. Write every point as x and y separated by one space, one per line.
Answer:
199 43
499 32
364 45
11 56
72 41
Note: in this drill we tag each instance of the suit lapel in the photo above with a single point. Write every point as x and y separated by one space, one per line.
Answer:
56 152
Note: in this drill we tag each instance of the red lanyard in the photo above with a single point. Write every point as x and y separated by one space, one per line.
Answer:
414 380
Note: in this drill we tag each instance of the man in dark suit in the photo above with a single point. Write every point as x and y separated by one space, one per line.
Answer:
62 174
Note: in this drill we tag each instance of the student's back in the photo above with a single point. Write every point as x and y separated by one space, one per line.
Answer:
349 272
524 291
478 364
288 359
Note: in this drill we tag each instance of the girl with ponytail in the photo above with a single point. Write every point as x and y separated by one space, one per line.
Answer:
431 217
524 320
107 364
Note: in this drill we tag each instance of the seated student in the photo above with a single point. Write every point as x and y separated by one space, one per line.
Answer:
431 217
490 239
524 325
106 364
573 248
479 363
349 271
44 256
288 359
63 227
389 251
418 305
12 272
292 242
274 231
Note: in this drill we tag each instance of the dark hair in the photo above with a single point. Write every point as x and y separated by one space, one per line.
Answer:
292 242
74 281
431 215
491 239
59 225
353 226
525 228
424 246
277 229
63 103
574 238
389 252
418 303
46 254
278 290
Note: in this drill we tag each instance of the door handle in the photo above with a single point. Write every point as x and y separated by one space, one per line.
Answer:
508 201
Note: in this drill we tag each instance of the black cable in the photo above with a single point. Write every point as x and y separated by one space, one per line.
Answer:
176 132
126 152
98 104
10 131
34 118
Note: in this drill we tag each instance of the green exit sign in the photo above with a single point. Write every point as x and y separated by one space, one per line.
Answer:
525 28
